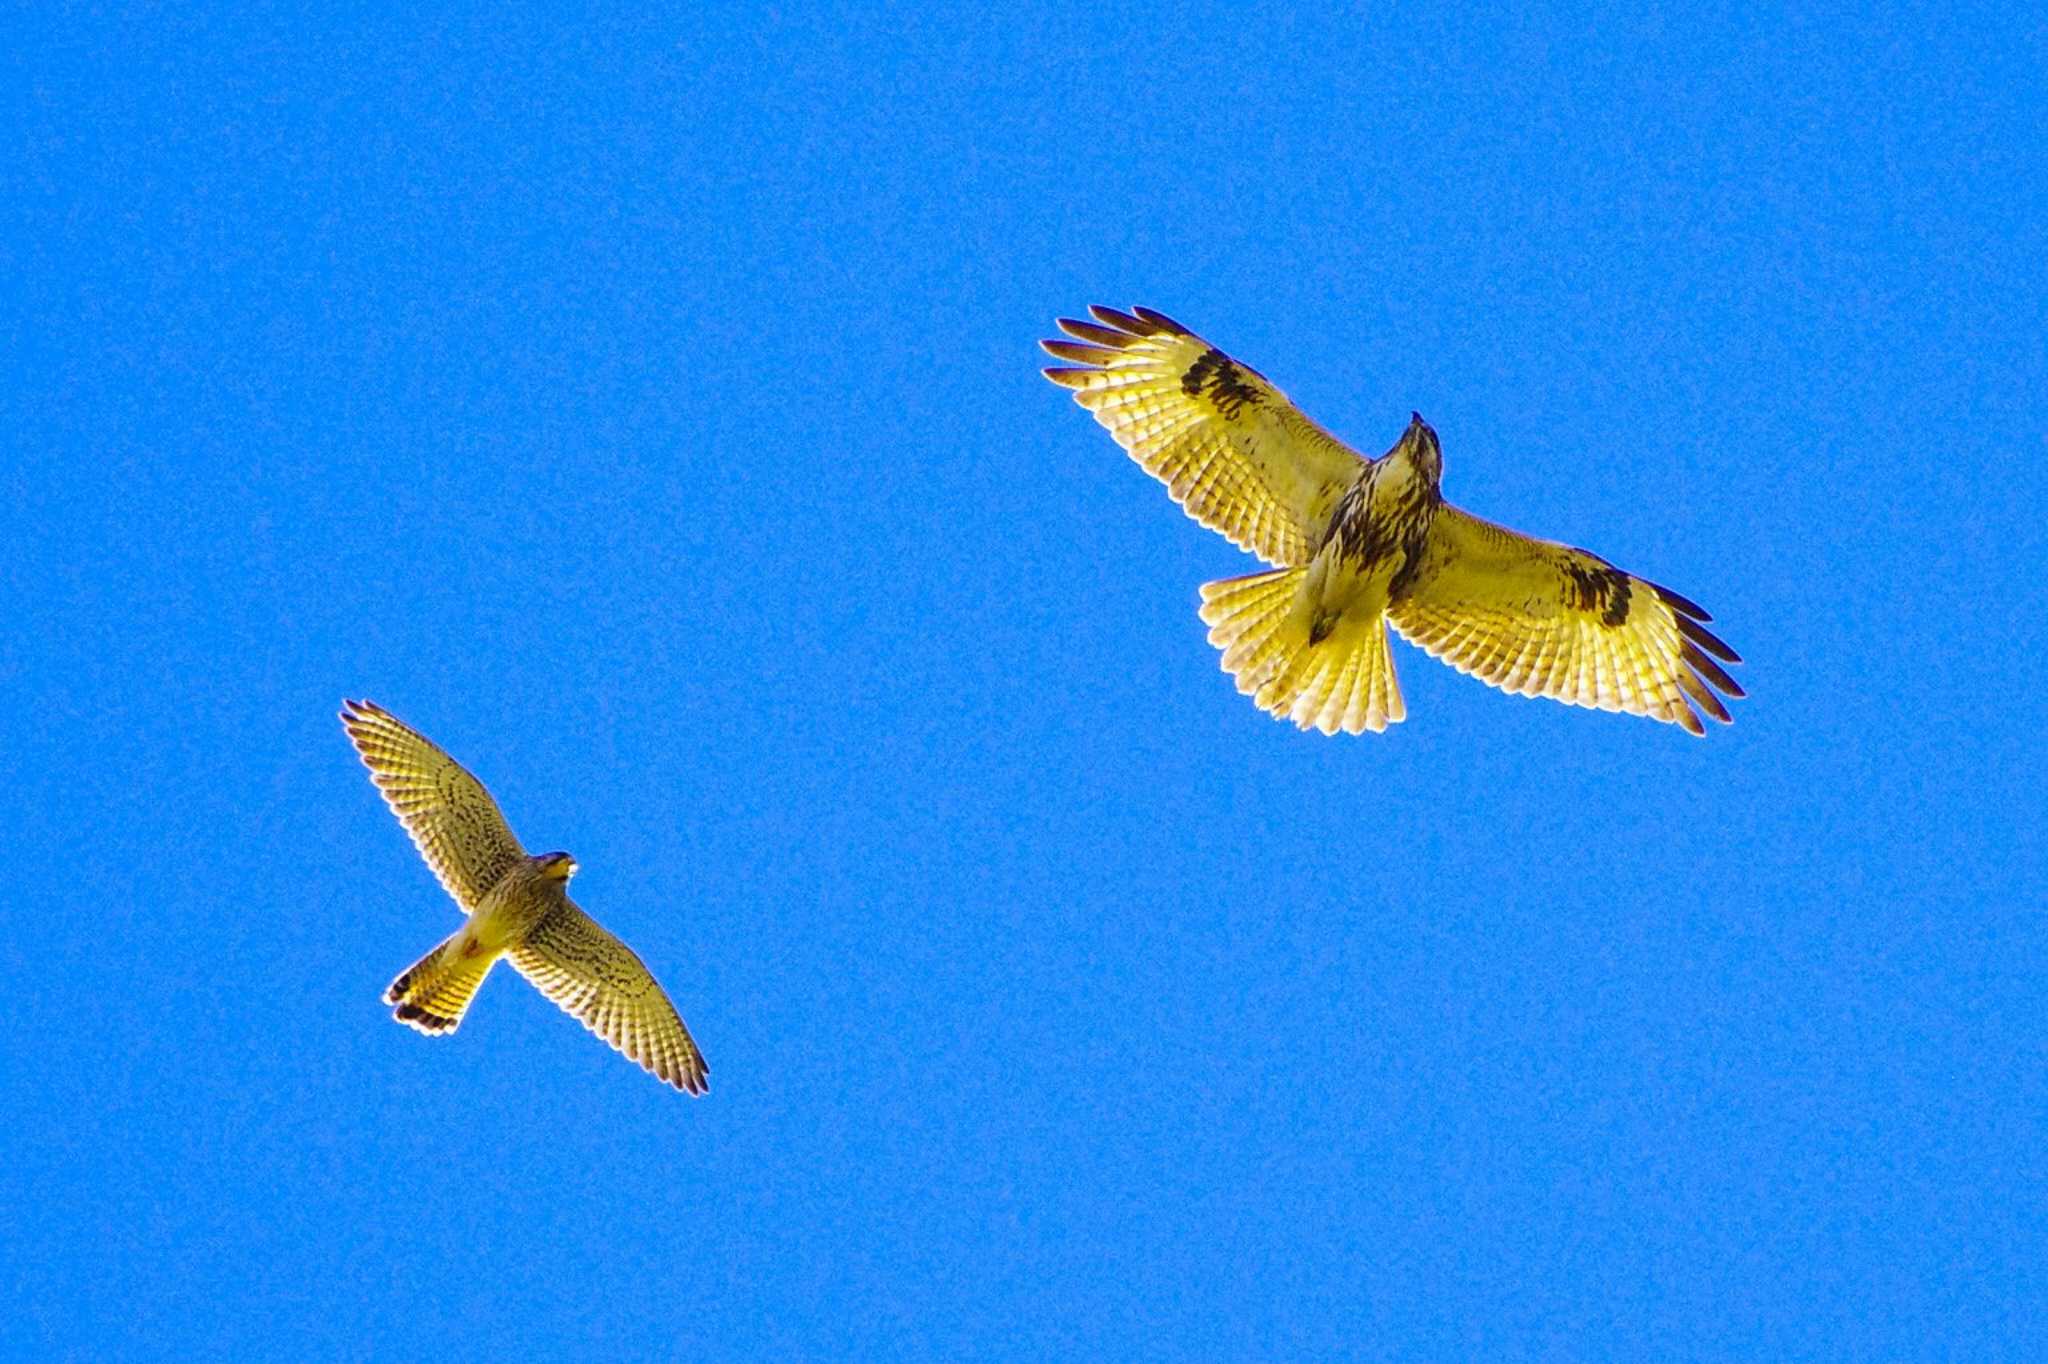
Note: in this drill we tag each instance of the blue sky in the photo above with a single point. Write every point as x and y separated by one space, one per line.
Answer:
648 410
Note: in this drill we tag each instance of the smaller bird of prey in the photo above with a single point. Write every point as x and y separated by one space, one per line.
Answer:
1359 543
518 908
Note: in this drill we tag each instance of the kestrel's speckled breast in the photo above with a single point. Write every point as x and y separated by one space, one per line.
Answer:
511 908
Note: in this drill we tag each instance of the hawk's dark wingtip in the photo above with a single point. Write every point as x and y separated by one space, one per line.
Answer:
1706 667
1081 352
1685 606
1088 331
1160 321
1707 640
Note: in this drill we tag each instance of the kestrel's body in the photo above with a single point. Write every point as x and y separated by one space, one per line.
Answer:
519 909
1362 543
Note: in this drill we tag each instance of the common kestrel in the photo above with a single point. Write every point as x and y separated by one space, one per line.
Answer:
1359 541
519 908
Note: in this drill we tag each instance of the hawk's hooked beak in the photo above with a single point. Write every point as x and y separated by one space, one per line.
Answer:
559 867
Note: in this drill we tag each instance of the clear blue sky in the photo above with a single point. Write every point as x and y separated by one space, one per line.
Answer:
649 411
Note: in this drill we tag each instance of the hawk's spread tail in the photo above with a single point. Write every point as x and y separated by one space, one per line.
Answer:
1339 678
434 992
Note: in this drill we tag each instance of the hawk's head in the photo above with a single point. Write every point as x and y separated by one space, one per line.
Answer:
1419 444
555 866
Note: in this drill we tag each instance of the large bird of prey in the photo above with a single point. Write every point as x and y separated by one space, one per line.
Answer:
1358 542
518 908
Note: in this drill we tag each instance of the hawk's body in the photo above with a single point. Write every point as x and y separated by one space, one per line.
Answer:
1362 542
519 908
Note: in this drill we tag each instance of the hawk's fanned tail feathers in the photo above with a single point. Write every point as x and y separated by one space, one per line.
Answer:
434 992
1343 680
1247 616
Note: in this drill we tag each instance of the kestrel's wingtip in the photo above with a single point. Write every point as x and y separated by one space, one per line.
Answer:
355 712
363 721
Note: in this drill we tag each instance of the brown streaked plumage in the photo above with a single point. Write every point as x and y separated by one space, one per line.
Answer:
1359 543
519 908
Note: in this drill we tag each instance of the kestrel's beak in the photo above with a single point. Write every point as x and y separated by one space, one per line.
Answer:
560 868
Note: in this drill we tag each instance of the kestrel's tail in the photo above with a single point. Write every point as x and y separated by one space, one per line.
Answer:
434 992
1339 678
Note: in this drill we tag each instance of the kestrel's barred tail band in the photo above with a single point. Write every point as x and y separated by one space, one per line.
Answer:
435 992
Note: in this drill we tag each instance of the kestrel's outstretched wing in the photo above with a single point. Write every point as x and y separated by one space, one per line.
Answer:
1230 447
1542 619
572 960
453 821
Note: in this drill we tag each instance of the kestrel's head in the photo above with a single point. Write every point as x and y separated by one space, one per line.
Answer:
1419 443
555 866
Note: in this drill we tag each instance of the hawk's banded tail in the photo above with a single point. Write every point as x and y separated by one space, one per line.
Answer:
1342 680
434 992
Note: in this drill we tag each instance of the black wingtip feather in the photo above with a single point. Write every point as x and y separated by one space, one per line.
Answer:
1707 640
1702 694
1709 669
1161 321
1088 331
1123 322
1683 605
1080 351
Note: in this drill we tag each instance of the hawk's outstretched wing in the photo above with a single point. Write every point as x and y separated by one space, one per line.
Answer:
1230 447
572 960
1542 619
453 821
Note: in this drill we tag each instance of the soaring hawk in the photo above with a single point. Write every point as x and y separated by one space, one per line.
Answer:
519 908
1359 541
